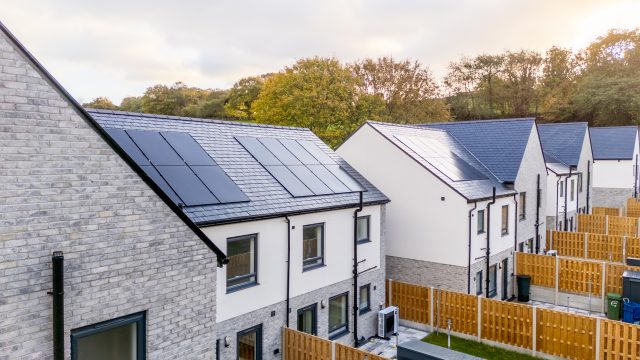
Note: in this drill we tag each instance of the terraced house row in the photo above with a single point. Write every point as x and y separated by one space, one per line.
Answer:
138 236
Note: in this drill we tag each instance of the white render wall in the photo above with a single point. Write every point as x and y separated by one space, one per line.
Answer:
498 242
272 253
616 174
585 165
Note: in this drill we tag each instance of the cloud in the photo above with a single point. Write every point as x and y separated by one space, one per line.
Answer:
118 48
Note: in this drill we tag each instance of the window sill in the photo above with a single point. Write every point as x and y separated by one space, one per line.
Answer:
364 311
505 234
241 287
313 267
522 219
339 333
481 232
363 241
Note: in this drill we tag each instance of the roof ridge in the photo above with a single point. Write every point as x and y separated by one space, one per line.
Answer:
195 119
565 123
410 126
480 121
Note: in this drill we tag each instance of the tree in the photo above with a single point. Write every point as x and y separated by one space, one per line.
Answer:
408 89
101 102
318 93
560 70
520 73
242 95
132 104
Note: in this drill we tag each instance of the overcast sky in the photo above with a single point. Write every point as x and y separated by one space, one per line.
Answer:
118 48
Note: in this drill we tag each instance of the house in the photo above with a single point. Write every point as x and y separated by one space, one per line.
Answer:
615 164
451 222
567 153
290 219
511 151
92 252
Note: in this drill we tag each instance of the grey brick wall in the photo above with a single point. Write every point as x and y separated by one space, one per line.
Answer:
63 188
427 273
610 197
495 259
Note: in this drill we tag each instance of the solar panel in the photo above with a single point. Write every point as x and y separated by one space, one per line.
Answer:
220 184
259 151
154 146
290 182
310 180
125 142
188 148
345 178
300 152
279 151
157 178
317 153
187 185
329 179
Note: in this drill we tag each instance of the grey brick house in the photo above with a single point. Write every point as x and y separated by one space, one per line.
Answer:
137 272
290 220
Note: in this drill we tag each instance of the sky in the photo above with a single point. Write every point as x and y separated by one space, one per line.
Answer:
118 48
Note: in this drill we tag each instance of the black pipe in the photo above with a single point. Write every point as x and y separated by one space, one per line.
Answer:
286 313
566 197
557 200
57 267
537 224
475 206
515 241
355 272
488 250
588 185
578 195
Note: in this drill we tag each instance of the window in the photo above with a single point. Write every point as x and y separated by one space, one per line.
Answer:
307 319
243 256
580 182
122 338
571 194
521 247
530 245
523 205
312 246
250 344
365 299
493 271
480 221
479 283
338 315
505 219
561 188
363 229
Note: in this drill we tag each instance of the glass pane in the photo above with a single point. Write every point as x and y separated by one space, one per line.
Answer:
492 279
337 313
248 346
479 282
114 344
306 321
312 244
363 228
481 221
364 298
241 253
505 219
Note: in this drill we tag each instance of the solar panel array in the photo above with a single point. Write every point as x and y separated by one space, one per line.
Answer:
442 158
179 166
300 166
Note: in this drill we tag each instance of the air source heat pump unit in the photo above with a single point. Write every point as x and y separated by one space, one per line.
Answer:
388 322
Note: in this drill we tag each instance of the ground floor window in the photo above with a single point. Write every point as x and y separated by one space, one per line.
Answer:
250 343
307 319
530 245
118 339
365 298
479 283
338 315
493 272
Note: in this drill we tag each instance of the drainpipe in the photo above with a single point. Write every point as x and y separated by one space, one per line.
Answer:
558 200
566 197
635 180
57 267
588 185
286 313
355 271
578 197
537 224
488 250
515 242
475 206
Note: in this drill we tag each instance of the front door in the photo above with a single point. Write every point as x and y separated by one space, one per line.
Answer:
505 278
307 319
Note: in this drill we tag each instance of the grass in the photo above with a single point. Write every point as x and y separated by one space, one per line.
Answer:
475 348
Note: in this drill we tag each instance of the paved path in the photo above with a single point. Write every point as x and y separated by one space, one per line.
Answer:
387 348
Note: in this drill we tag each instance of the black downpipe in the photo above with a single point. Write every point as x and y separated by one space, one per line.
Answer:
286 312
566 198
515 242
558 200
488 250
578 196
57 265
588 185
475 206
537 225
355 272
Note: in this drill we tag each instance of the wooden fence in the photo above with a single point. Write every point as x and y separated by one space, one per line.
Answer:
533 329
606 211
302 346
632 208
461 309
613 248
607 224
596 224
413 298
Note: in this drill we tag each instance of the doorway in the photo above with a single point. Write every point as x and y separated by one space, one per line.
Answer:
307 319
505 278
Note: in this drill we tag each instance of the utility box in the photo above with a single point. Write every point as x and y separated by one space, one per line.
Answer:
631 285
633 261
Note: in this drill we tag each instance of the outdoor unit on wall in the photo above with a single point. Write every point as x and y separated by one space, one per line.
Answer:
388 322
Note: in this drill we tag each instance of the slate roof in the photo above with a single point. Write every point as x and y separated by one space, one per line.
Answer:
563 141
613 143
469 189
499 144
267 197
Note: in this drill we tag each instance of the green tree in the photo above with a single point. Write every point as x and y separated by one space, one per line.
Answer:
561 68
317 93
101 102
132 104
520 74
242 95
171 100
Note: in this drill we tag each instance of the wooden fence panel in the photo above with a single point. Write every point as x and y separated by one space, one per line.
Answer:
541 268
299 345
605 211
566 335
605 247
623 226
613 281
461 309
633 247
412 300
619 341
574 276
547 244
592 223
344 352
507 323
568 243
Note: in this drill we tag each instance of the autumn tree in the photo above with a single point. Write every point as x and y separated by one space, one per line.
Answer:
101 102
132 104
560 71
520 76
242 95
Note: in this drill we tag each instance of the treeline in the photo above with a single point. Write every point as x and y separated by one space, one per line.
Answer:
599 84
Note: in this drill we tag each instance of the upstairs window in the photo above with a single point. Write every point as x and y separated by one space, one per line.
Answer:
505 219
580 182
312 246
362 230
480 221
243 256
522 204
571 194
561 188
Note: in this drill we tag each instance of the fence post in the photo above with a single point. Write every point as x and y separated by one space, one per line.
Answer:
637 227
333 350
606 224
284 343
602 290
390 292
534 331
624 249
431 307
557 283
597 347
479 302
551 240
586 244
